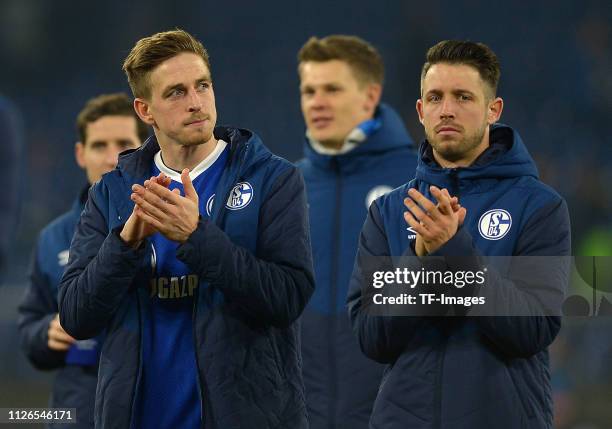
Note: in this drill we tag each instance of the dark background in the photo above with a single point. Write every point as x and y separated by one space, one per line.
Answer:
556 82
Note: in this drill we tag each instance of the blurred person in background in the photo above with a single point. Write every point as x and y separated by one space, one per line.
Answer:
356 149
106 126
11 163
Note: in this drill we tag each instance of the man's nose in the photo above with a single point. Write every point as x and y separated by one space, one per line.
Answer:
447 109
112 156
318 100
195 104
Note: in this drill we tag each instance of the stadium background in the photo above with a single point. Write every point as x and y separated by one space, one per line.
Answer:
556 81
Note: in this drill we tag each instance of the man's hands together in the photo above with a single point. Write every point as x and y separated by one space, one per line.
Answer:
57 338
434 224
158 209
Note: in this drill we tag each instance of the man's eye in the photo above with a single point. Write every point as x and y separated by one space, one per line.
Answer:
126 144
434 98
307 91
175 92
464 97
203 85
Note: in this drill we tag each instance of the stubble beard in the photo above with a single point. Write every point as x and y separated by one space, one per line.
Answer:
197 140
457 150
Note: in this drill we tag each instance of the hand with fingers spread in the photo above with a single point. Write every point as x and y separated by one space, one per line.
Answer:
173 215
57 338
434 224
136 229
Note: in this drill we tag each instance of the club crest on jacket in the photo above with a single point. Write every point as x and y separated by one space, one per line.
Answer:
240 197
494 224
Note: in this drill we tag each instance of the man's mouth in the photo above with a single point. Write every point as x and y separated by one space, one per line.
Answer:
321 121
447 130
196 122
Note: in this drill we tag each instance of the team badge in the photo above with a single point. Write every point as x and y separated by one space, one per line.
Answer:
240 197
495 224
411 233
375 192
209 204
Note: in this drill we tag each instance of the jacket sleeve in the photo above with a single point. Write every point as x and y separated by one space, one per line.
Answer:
274 284
36 310
381 337
98 275
537 292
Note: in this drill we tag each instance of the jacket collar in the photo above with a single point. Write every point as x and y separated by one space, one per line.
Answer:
246 151
387 134
506 157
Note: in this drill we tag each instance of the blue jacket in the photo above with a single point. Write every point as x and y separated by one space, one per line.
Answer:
341 384
74 385
468 372
255 272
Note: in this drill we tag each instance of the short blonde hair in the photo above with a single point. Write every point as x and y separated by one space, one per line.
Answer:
362 58
149 52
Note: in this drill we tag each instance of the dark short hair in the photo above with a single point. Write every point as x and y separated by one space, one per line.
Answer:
118 104
149 52
363 59
477 55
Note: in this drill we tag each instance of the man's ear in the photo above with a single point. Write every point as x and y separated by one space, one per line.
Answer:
141 106
373 94
79 154
495 110
419 109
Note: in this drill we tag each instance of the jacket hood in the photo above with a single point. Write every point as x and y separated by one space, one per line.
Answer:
392 135
506 157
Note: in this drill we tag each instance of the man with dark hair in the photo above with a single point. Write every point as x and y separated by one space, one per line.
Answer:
106 126
356 149
476 195
193 257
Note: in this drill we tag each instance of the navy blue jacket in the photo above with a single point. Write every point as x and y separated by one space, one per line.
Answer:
255 272
469 372
74 386
341 384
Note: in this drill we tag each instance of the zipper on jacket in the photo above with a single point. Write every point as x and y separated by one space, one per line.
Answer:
206 407
202 387
140 357
455 191
331 350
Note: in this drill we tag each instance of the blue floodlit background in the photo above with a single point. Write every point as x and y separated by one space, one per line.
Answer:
556 81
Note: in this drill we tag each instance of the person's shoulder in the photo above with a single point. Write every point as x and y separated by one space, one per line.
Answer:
58 228
260 159
303 163
537 192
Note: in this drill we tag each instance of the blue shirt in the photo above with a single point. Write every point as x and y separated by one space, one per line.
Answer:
170 395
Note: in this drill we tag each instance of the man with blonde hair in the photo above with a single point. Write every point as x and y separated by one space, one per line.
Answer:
194 258
356 149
